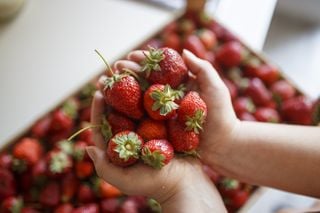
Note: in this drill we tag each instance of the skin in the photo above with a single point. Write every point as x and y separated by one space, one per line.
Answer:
281 156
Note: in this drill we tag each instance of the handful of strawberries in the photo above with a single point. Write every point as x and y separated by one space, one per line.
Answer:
152 115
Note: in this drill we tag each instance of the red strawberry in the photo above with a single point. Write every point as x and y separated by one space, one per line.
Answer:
84 169
124 148
58 163
123 93
268 74
172 40
129 206
282 90
297 110
119 123
159 101
110 205
85 194
230 54
107 190
5 160
192 112
28 210
28 149
79 151
50 195
164 66
69 187
208 38
87 136
239 198
157 153
64 208
85 114
41 127
228 187
88 208
181 140
150 129
11 205
195 45
243 104
257 91
40 168
231 87
265 114
246 116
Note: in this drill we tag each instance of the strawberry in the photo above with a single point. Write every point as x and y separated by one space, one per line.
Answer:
195 45
265 114
50 195
79 151
172 40
87 136
257 91
157 153
119 123
28 149
297 110
268 74
84 169
85 194
69 187
231 87
282 90
246 116
228 187
129 206
159 101
164 66
208 38
230 54
150 129
110 205
107 190
59 163
5 160
11 205
41 127
40 168
64 208
124 148
87 208
123 93
28 210
239 198
182 140
85 114
192 112
243 104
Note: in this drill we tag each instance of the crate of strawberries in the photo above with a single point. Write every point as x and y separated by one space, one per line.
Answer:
43 171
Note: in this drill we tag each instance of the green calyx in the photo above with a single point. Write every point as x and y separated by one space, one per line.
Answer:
59 162
195 123
70 108
152 60
106 129
250 106
108 83
154 159
66 146
17 206
229 183
19 165
128 145
164 100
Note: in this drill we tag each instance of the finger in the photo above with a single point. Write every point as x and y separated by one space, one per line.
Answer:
207 76
137 56
101 81
131 65
97 111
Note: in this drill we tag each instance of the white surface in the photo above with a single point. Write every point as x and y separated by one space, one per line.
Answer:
47 51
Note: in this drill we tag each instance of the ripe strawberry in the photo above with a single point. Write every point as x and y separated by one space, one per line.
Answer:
59 163
124 148
181 140
129 206
228 187
79 151
11 205
119 123
64 208
257 91
282 90
69 187
208 38
28 210
50 195
172 40
265 114
195 45
164 66
268 74
297 110
110 205
87 208
159 101
28 149
85 114
123 93
246 116
239 198
230 54
87 136
5 160
106 190
192 112
157 153
41 127
84 169
243 104
85 194
150 129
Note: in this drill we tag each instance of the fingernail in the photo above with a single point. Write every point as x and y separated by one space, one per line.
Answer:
91 152
187 52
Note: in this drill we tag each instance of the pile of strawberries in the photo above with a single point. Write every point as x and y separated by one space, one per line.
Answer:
42 172
151 115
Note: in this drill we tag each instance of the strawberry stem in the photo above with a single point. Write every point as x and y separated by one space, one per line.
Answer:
105 61
82 130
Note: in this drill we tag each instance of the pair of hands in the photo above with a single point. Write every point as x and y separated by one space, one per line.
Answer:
183 178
